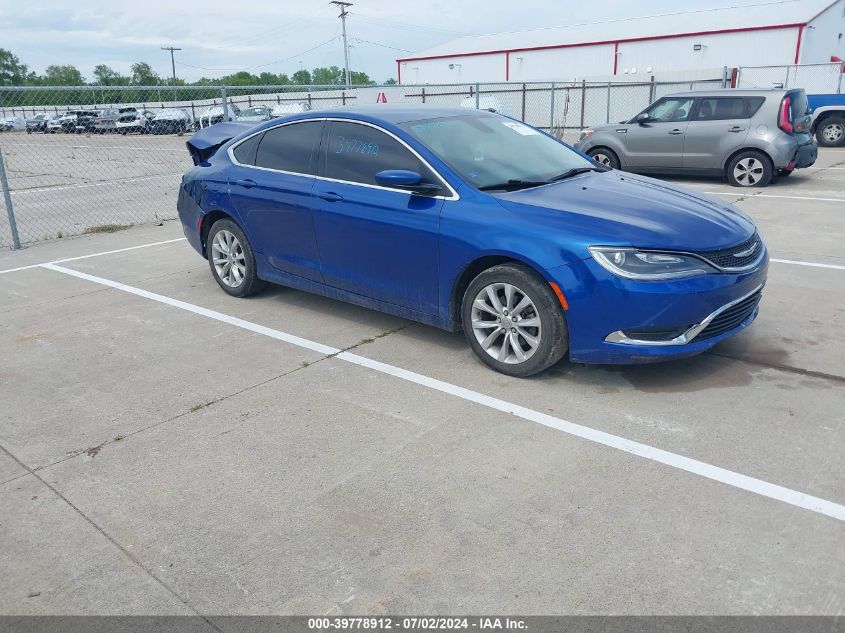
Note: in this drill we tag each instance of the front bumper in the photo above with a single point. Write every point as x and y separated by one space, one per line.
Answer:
621 321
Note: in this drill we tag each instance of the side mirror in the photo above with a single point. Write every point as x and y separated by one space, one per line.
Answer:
643 117
405 179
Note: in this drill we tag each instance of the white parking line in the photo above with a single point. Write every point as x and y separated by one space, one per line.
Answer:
105 183
680 462
813 264
73 259
769 195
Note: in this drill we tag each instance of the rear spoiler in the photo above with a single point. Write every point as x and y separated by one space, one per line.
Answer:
205 142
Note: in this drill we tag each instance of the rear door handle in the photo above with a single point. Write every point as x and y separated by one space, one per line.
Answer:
330 196
736 128
676 132
245 182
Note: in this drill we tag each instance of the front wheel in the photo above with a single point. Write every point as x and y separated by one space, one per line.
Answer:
831 132
232 260
604 156
749 169
513 320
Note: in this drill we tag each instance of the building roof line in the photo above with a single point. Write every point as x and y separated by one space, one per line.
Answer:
611 41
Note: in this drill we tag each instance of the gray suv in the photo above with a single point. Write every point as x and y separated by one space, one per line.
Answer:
750 137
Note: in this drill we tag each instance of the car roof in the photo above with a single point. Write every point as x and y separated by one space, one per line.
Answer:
397 113
731 92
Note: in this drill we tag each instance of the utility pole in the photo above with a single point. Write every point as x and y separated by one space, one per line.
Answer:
172 60
342 16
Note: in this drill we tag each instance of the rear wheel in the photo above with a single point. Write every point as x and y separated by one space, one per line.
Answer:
232 260
831 132
749 169
513 320
604 156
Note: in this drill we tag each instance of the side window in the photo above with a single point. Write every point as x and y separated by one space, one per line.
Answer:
356 153
754 104
246 151
671 109
720 108
290 147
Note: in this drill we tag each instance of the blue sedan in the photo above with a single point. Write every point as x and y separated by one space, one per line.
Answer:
466 219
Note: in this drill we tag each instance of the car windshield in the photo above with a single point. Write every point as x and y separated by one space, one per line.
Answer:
494 152
254 112
108 112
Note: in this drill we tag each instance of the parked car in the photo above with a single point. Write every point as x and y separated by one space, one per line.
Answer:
171 121
38 123
487 102
134 121
214 114
255 114
67 121
54 123
107 118
285 109
85 121
9 123
828 119
750 137
472 221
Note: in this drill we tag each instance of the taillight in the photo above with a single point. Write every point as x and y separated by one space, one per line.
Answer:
783 117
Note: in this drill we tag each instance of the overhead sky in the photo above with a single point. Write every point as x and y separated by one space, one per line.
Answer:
218 37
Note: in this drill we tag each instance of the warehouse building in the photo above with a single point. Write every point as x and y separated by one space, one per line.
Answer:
770 33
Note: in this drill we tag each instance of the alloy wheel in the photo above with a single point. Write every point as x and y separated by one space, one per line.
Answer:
748 171
228 258
603 159
833 133
506 323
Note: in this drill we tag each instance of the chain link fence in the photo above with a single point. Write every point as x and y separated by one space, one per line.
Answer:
95 159
814 78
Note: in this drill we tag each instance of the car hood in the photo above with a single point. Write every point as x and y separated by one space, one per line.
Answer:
616 208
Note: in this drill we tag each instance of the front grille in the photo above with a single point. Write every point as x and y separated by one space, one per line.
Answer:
731 318
728 257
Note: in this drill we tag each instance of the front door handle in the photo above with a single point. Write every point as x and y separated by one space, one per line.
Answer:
245 182
330 196
676 132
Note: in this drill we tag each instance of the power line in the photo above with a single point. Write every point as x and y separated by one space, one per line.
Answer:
172 60
278 61
406 26
296 23
395 48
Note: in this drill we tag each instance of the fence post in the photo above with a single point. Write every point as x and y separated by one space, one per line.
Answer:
7 196
224 102
477 100
651 90
724 77
583 100
343 97
523 103
422 92
552 111
608 103
839 86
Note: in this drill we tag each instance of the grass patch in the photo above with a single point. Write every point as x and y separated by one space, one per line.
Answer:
107 228
197 407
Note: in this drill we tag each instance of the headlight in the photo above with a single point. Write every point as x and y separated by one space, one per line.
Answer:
648 265
584 134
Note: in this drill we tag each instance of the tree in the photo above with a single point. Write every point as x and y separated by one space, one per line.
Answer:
107 76
360 78
301 78
144 75
330 76
12 71
63 76
390 82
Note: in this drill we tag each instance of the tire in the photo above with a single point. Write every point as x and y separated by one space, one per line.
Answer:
831 132
237 280
749 168
604 156
483 326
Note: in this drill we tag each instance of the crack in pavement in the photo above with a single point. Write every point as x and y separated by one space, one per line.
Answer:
810 373
111 540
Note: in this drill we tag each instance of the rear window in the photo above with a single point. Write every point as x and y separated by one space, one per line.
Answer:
798 106
718 108
754 104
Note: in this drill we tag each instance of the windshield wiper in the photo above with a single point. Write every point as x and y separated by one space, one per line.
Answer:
513 185
574 172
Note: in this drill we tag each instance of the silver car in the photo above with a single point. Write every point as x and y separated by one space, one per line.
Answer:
749 137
